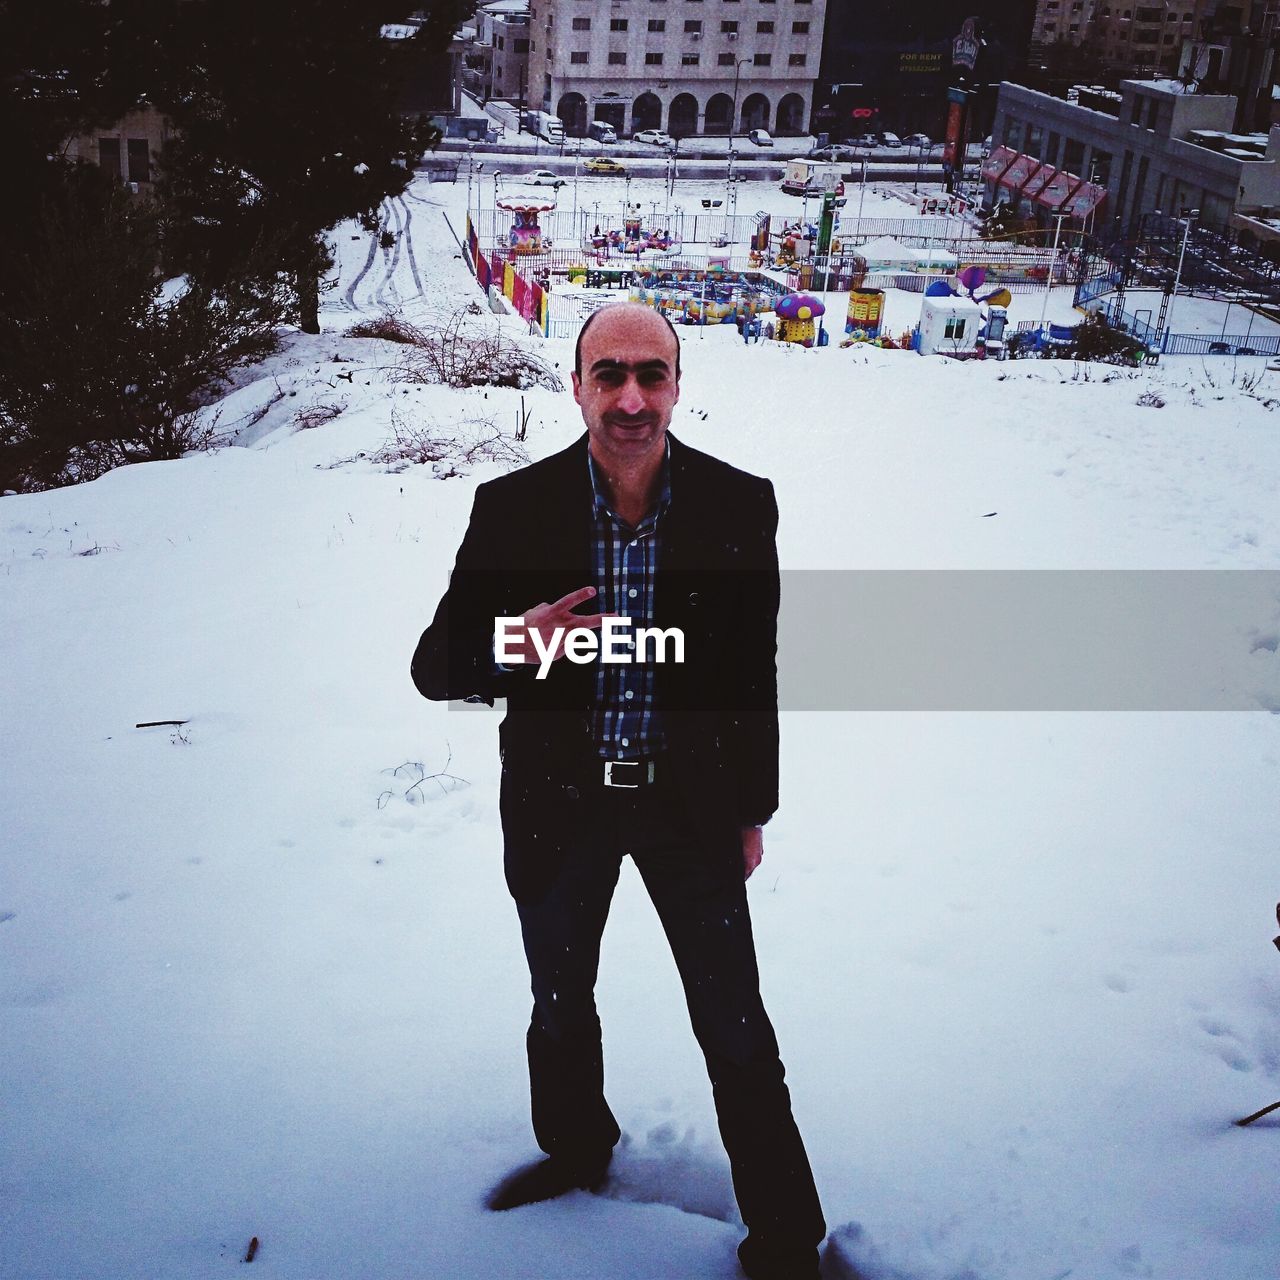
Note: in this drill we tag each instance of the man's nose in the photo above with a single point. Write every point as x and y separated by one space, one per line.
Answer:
631 397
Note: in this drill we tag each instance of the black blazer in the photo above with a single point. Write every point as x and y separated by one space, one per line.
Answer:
529 541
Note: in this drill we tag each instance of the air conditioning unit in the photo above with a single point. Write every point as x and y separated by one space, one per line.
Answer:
133 187
733 35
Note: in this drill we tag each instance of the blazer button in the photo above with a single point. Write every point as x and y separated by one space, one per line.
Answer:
571 792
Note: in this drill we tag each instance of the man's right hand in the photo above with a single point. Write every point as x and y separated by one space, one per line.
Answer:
545 618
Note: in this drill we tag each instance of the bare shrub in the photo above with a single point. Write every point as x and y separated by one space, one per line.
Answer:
316 415
451 449
463 353
390 327
1151 400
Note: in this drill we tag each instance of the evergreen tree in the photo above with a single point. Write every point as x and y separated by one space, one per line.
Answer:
286 124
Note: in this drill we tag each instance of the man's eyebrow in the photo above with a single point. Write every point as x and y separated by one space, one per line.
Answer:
606 362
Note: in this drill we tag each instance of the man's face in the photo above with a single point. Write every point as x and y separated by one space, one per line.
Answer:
628 387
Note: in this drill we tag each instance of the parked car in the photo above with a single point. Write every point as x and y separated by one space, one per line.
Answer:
655 137
605 164
760 137
543 178
866 140
890 140
831 154
920 140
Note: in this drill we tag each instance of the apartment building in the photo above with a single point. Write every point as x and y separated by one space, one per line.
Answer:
686 66
1154 145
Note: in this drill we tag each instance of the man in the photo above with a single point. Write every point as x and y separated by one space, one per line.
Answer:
673 763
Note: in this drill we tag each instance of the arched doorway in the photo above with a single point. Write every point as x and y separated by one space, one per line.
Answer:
573 111
646 112
719 113
755 112
682 116
791 115
613 113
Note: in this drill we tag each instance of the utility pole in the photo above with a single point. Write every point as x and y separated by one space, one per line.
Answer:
1188 217
1048 284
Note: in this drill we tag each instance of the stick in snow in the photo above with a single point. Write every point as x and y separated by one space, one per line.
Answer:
1257 1115
153 724
253 1250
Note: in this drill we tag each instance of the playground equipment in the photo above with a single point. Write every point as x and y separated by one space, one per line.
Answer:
633 239
991 343
703 297
526 235
866 312
796 315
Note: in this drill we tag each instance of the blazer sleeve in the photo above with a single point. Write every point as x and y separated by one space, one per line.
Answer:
756 736
454 658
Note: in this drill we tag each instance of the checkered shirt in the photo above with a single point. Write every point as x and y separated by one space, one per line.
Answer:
627 722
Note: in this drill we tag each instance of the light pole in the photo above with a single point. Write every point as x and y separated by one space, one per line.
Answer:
737 71
1048 284
577 155
1187 219
862 195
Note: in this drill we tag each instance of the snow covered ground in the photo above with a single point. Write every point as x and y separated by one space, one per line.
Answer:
259 973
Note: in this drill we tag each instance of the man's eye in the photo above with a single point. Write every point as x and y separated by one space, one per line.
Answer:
653 377
610 377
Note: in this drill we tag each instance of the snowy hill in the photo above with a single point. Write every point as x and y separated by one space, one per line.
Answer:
259 972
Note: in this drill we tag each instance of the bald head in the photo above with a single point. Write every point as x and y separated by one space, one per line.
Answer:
613 327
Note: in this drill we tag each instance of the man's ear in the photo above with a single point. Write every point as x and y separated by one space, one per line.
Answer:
577 386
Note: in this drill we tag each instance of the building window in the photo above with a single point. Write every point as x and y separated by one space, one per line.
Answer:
522 46
796 60
657 24
799 28
729 28
693 25
763 59
725 60
764 28
578 57
954 330
688 59
109 156
653 59
617 59
582 24
617 24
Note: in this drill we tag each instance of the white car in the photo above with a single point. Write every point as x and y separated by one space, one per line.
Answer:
543 178
920 140
654 136
760 137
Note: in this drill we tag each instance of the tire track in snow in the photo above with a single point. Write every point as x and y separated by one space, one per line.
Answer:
350 294
389 257
408 244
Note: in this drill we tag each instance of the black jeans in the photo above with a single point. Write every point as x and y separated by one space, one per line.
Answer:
703 909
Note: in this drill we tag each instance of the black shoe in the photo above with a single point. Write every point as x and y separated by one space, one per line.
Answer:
548 1179
760 1262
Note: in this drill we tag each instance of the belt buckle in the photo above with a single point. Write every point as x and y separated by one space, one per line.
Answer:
611 765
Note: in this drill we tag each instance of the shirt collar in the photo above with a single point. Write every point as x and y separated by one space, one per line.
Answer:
600 502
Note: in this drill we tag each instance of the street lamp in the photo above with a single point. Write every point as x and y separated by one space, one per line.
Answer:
1188 217
737 71
1048 284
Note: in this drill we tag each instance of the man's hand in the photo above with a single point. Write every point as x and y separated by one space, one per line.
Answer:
752 850
545 618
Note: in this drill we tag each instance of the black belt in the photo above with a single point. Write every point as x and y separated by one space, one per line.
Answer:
629 774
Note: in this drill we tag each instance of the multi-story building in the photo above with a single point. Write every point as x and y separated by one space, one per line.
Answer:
1154 145
687 66
888 65
499 51
1226 46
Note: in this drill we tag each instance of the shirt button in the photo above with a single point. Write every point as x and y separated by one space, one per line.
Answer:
626 742
629 694
632 593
